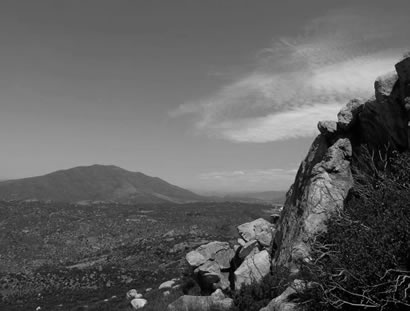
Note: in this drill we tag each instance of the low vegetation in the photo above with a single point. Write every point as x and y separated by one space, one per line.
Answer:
64 256
255 296
363 260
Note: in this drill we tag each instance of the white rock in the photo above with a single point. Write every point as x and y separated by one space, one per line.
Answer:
138 303
168 284
166 293
131 294
195 259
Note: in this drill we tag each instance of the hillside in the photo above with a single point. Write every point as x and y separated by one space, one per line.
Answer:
95 183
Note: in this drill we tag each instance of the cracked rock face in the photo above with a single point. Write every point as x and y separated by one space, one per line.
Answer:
322 183
253 269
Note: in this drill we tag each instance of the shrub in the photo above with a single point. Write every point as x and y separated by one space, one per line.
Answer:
257 295
363 260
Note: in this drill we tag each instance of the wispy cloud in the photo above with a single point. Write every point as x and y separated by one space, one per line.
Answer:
249 180
298 81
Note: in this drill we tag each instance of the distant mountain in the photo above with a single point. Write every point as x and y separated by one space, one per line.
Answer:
277 197
96 183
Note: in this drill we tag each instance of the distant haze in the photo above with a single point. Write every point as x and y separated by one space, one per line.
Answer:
208 95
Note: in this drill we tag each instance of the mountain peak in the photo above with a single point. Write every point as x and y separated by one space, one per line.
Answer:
96 182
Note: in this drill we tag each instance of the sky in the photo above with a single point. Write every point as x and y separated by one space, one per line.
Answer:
213 96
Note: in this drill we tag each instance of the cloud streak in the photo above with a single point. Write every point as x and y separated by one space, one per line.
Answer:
299 81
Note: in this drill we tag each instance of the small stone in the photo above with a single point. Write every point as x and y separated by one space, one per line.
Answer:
138 303
132 293
168 284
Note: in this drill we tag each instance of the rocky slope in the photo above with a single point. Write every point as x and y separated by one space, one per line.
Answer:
96 183
324 177
319 191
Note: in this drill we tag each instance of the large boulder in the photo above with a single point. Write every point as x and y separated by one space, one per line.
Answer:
327 128
220 252
260 230
201 303
253 269
384 120
383 86
347 116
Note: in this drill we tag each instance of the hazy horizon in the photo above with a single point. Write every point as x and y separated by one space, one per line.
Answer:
207 95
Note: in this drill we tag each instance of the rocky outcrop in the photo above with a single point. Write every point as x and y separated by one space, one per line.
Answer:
218 266
211 264
322 183
324 177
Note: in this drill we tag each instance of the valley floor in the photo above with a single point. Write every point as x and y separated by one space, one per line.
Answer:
86 257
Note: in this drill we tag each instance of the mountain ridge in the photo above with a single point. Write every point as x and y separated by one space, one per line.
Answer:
96 183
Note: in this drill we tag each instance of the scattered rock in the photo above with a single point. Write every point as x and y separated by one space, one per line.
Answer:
170 234
168 284
138 303
180 247
133 293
